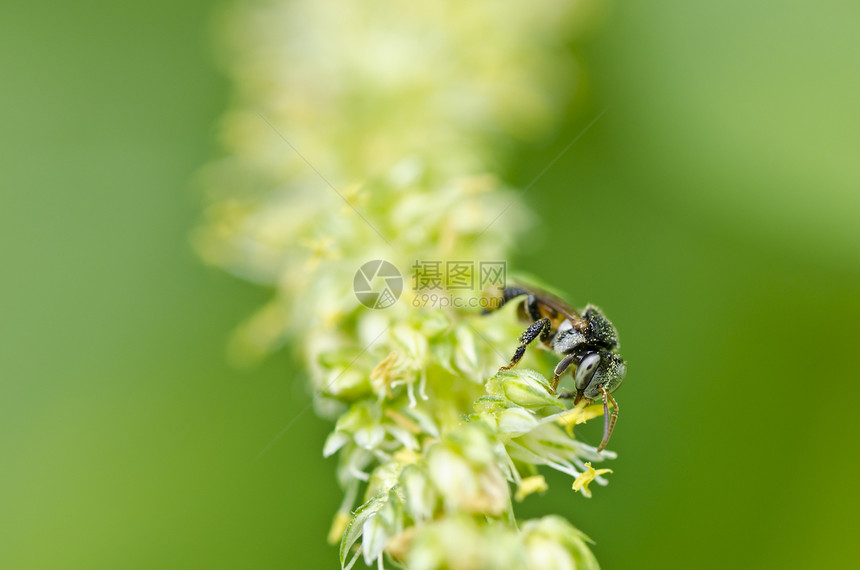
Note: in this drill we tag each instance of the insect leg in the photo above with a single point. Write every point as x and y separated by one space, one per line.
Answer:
608 424
575 396
539 329
559 370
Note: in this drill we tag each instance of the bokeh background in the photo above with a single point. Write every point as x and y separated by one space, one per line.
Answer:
712 211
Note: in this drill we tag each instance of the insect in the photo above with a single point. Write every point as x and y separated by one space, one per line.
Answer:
587 341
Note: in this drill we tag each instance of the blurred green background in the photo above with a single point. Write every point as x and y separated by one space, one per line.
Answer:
712 212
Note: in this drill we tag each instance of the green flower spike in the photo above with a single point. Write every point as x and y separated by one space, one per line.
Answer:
391 111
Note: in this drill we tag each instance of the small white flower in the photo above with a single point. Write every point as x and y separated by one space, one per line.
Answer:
515 422
465 487
421 496
524 388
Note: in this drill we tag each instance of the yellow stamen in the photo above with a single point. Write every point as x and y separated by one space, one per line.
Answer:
406 456
530 485
579 414
581 483
403 421
338 527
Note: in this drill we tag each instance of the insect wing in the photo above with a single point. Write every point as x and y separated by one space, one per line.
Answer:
553 302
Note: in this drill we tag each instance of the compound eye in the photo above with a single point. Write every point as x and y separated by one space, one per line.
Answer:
585 371
621 371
